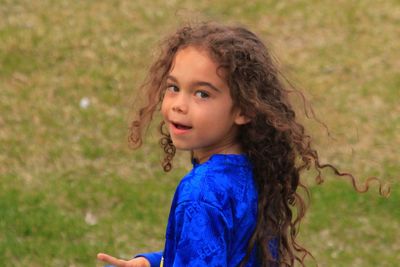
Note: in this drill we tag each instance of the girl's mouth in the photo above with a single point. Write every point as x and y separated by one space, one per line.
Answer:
181 126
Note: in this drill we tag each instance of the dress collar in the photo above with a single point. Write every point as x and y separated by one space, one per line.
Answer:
235 159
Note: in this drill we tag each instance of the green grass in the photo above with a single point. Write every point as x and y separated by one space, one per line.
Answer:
70 186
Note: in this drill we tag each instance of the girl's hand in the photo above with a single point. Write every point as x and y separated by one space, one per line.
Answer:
136 262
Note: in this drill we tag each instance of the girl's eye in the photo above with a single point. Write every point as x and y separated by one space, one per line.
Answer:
172 88
202 94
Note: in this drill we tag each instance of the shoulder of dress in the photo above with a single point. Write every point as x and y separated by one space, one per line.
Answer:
216 185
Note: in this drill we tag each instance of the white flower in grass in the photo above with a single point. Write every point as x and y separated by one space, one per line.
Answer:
90 218
84 103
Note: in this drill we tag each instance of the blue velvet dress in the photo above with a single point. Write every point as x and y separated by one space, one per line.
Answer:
212 217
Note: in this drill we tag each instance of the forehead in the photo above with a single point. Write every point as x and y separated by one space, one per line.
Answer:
192 63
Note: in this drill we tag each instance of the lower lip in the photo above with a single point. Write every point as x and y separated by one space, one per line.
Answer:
178 131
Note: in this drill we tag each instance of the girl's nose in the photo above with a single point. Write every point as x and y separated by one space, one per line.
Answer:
180 105
179 108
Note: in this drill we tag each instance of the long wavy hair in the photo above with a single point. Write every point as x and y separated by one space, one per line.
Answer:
275 142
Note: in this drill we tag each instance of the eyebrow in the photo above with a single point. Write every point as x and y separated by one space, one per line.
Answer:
197 83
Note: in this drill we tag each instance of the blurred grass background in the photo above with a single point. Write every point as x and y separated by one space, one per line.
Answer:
70 186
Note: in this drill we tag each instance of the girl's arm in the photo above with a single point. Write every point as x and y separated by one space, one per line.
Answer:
141 260
201 235
154 258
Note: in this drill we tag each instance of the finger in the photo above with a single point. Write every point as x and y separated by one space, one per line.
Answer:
112 260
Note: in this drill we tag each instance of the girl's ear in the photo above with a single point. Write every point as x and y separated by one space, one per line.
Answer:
241 119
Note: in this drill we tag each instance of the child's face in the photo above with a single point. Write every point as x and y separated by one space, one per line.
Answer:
197 106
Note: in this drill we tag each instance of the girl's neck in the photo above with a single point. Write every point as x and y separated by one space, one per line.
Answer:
203 155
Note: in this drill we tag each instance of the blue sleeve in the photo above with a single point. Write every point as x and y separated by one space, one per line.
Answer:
273 246
153 257
202 235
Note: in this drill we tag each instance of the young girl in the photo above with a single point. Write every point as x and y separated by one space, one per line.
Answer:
222 98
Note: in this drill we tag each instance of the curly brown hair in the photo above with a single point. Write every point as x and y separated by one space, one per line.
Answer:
275 142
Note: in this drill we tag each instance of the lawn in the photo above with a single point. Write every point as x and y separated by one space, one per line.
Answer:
71 187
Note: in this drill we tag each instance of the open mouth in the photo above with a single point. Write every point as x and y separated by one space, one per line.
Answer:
181 126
